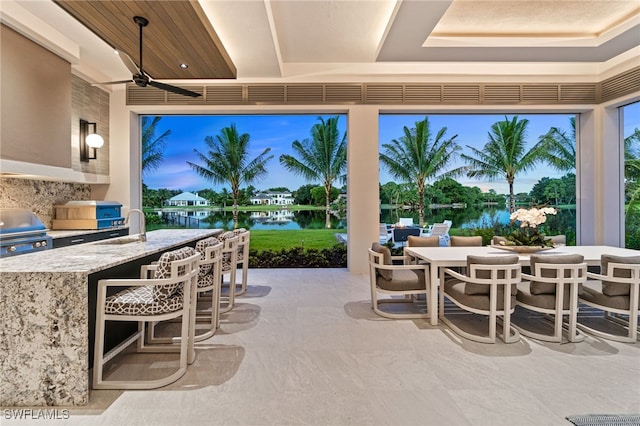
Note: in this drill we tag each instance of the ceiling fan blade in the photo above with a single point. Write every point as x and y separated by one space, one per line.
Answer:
113 82
128 62
174 89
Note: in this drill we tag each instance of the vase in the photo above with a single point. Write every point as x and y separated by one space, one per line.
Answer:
522 249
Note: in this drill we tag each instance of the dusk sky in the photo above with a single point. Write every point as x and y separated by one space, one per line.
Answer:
279 131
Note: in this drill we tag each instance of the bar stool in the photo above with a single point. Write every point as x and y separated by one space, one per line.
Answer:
229 267
243 257
166 296
209 280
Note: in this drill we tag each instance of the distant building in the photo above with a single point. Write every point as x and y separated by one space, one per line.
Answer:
273 216
272 198
187 199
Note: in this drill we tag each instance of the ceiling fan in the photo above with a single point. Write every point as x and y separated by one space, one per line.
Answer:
141 78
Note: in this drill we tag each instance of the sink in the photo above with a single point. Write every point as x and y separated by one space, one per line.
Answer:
122 240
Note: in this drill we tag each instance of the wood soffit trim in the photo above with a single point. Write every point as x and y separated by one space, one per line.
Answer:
178 32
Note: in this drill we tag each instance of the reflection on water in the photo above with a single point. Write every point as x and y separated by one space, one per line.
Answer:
482 217
265 220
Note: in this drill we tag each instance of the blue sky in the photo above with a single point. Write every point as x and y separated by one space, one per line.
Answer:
279 131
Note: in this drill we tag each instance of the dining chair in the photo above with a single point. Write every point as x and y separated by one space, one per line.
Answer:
169 294
497 239
560 240
552 289
404 280
616 291
487 289
416 241
462 241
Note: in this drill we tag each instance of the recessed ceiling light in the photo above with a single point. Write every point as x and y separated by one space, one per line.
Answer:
184 66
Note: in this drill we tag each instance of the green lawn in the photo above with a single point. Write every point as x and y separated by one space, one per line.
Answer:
307 238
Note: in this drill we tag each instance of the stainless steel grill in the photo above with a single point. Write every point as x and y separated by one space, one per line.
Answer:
22 232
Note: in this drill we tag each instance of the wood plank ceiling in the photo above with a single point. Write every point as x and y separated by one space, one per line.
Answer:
178 33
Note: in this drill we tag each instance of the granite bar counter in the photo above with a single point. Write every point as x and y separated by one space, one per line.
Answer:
44 313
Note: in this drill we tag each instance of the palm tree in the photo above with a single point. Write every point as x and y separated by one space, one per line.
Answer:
632 170
560 148
415 157
322 158
227 161
504 155
152 146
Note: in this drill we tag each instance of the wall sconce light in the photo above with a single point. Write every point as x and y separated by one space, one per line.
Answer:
90 140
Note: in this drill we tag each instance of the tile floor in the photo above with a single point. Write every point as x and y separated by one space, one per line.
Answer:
304 348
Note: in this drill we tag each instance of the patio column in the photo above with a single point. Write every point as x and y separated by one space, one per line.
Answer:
601 177
363 200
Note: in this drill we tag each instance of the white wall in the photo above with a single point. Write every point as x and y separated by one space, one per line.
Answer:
363 199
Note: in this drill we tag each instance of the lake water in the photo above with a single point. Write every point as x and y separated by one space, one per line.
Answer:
264 220
468 218
480 217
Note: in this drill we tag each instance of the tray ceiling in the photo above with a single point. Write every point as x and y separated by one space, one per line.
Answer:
351 40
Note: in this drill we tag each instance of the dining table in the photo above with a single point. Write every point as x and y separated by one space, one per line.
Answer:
446 257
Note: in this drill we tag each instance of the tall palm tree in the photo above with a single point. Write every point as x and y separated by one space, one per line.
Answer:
632 171
227 161
504 156
416 157
152 146
322 158
560 148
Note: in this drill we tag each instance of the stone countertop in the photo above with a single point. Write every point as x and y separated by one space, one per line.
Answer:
73 232
96 256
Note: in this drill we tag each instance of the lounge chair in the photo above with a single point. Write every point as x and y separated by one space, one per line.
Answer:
385 234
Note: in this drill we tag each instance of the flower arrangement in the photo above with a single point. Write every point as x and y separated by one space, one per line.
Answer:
528 234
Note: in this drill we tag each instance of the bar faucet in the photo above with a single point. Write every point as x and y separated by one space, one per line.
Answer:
143 227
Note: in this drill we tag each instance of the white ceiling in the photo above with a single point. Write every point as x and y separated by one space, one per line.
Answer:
348 40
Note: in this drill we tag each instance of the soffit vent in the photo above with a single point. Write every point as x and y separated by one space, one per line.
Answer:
137 95
620 85
175 99
578 93
267 94
534 94
384 94
305 94
461 94
502 94
399 94
422 94
224 95
343 93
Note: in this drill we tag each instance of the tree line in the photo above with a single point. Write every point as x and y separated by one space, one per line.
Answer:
308 195
418 156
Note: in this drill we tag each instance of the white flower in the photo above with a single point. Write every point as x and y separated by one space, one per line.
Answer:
532 217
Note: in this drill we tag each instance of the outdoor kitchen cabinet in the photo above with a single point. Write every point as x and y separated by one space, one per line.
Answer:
87 237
